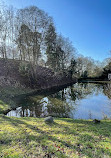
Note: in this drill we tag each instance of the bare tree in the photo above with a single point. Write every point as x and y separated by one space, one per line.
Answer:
37 21
66 51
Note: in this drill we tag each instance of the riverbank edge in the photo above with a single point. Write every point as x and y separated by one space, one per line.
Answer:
48 90
91 81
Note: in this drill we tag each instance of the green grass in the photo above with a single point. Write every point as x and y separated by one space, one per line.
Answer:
3 106
65 138
7 95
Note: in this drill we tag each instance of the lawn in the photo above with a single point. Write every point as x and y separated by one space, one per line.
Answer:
65 138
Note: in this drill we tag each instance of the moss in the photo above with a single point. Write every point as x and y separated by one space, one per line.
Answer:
31 137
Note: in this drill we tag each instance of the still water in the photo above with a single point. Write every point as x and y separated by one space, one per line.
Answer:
79 101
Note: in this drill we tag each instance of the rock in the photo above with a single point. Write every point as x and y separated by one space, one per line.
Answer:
96 121
49 119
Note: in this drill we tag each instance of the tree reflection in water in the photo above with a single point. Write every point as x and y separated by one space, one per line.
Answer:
107 90
61 104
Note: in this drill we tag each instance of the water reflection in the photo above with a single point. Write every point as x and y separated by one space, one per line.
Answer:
84 101
107 90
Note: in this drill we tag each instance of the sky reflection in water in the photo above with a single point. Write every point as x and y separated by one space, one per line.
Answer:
80 101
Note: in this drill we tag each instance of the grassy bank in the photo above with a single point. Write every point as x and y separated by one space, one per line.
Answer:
10 95
7 97
32 138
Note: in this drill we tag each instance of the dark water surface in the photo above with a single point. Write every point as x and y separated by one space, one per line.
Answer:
80 101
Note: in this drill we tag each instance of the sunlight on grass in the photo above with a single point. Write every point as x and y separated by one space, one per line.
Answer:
3 106
31 137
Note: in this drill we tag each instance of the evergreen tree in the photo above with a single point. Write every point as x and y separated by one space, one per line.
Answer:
51 52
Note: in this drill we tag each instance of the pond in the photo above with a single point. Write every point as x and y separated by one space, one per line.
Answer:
79 101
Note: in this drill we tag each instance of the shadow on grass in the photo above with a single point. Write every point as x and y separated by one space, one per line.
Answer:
42 140
88 137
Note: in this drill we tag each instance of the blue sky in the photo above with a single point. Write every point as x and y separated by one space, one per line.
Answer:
87 23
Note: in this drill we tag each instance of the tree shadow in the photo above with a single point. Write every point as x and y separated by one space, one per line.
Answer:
85 143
